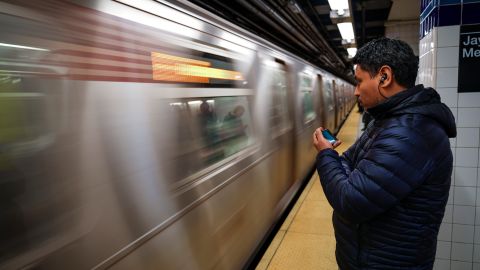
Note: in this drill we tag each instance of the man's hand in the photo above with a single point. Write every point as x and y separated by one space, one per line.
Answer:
321 143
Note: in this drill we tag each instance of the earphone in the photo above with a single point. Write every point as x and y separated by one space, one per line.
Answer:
383 78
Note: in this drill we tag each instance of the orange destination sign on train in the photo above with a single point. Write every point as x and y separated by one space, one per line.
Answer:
178 69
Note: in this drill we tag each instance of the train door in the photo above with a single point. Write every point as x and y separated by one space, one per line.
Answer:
40 195
280 124
306 115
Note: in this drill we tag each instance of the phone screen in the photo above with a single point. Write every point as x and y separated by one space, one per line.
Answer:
329 136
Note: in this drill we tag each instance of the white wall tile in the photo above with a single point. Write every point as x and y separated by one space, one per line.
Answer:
447 77
445 232
476 253
466 157
465 196
452 181
455 114
468 137
476 266
447 57
443 249
450 196
468 117
425 44
422 45
448 36
462 233
462 252
464 215
421 48
476 239
448 216
441 264
454 153
465 176
469 99
448 96
426 73
456 265
453 142
478 194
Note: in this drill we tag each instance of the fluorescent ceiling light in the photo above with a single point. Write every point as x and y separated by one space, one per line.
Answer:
339 5
351 52
346 30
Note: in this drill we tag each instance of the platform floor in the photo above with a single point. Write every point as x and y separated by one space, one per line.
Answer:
306 240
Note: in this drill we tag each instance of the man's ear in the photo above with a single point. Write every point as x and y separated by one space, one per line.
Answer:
386 76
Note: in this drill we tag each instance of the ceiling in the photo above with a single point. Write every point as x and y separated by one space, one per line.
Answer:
369 17
304 27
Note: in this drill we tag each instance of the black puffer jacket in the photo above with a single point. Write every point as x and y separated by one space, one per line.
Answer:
389 190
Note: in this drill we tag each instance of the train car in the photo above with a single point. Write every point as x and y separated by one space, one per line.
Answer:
141 134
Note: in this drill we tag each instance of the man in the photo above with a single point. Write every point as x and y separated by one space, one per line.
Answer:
389 189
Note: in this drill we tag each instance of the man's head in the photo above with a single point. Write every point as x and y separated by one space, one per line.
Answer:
205 108
384 67
238 111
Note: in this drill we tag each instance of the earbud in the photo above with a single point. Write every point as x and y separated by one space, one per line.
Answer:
383 78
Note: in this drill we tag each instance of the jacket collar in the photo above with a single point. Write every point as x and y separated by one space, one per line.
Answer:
394 101
420 101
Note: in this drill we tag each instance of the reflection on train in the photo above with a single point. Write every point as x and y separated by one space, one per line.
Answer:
142 135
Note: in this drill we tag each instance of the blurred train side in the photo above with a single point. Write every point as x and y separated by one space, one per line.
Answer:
146 135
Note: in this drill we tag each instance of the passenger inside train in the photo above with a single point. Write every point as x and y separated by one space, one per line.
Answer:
233 130
210 131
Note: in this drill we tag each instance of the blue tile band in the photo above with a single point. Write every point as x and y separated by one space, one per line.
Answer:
449 15
471 13
447 12
450 2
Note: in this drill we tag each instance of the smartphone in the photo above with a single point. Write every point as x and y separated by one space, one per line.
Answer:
329 136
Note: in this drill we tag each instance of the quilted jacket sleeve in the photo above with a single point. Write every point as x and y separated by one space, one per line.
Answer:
396 163
346 160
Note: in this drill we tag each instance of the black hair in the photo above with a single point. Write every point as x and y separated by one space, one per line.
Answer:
394 53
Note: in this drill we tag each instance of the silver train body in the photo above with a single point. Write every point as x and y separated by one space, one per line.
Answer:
139 134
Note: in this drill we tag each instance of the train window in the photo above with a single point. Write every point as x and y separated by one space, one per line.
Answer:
307 99
308 110
278 117
328 96
28 190
208 130
23 113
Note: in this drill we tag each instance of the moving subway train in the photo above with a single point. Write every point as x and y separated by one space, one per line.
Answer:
139 134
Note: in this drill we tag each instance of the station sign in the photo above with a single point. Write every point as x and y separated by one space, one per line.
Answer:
469 59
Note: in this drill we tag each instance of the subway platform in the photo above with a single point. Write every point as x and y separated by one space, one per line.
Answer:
306 239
